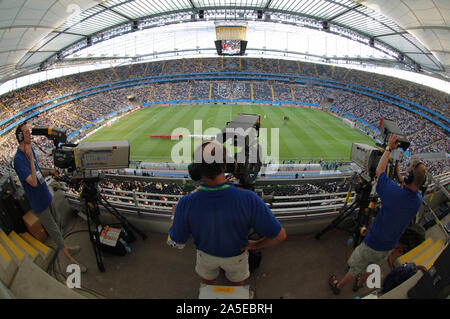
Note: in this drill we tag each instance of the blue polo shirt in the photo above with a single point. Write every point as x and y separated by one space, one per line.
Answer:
39 197
220 218
399 207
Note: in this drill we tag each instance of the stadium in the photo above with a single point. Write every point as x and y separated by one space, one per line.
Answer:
321 76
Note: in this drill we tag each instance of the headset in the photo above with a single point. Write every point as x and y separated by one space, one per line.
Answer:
196 169
410 177
19 132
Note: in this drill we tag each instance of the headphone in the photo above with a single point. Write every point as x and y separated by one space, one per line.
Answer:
410 177
196 169
19 133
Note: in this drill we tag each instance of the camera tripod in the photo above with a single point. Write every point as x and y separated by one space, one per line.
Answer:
92 198
362 206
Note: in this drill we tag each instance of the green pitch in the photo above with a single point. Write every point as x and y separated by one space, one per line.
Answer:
309 133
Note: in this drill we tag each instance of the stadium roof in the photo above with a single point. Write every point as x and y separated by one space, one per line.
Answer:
35 34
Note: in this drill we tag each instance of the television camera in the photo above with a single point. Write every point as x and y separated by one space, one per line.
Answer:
367 158
246 163
82 162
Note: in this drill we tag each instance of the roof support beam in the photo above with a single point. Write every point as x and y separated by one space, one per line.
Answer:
116 12
388 34
343 12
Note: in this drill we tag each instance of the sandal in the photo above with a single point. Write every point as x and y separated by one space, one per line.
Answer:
333 282
357 284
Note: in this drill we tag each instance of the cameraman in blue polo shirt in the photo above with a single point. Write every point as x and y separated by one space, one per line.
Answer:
32 179
400 204
219 217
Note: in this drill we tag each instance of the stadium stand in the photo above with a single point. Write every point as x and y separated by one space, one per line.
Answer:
73 101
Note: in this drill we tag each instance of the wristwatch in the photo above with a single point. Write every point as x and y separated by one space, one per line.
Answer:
387 149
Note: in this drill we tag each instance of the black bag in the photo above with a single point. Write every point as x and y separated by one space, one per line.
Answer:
398 276
435 283
121 248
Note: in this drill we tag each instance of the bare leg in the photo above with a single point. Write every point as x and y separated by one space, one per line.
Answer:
347 278
65 250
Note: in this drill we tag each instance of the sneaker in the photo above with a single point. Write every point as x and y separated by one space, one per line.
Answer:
74 250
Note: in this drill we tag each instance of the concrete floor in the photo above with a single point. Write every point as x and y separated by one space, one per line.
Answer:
295 269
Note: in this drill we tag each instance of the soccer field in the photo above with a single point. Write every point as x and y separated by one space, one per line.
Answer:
309 133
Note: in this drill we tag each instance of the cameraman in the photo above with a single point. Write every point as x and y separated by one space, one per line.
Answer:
219 216
32 179
399 207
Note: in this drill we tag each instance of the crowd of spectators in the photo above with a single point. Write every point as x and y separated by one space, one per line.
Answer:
73 115
155 193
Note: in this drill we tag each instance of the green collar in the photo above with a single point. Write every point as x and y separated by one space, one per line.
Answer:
215 188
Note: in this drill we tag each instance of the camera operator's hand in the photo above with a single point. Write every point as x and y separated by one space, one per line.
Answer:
393 142
251 244
28 152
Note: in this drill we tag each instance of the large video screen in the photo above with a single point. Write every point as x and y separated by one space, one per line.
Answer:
231 47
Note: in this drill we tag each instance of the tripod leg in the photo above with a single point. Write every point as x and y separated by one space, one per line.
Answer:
337 220
94 235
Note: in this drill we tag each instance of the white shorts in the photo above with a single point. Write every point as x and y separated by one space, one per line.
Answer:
236 267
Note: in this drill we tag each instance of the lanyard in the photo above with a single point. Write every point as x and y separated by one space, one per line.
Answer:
209 189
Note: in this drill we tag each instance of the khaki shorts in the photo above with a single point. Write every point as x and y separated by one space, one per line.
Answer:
236 267
363 256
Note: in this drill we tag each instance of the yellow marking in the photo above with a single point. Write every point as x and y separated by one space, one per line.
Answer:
36 243
228 290
273 95
189 93
431 262
170 91
429 253
22 243
5 107
4 254
293 95
117 76
77 116
89 109
415 251
16 251
63 124
312 95
251 90
150 94
146 66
